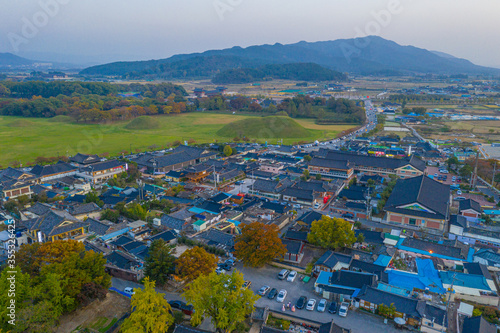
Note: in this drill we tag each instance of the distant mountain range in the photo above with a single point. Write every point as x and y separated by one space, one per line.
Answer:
367 55
11 60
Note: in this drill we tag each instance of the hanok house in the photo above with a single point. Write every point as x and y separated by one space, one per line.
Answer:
332 261
407 167
55 225
85 211
420 202
294 251
269 188
15 183
299 196
330 168
470 209
342 285
410 309
198 173
179 158
84 160
102 171
53 171
124 266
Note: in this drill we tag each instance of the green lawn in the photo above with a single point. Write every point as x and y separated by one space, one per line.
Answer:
23 139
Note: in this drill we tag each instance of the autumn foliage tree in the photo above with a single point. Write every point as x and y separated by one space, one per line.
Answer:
195 262
150 311
222 298
331 233
258 244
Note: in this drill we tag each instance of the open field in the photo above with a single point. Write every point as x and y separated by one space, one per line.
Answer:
24 139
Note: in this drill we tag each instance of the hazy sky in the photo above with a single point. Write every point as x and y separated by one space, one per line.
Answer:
110 30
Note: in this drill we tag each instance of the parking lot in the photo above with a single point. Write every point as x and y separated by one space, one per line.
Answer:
355 320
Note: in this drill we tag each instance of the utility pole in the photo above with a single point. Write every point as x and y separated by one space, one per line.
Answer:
493 177
473 180
448 302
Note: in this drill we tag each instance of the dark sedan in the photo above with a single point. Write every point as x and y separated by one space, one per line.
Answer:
301 302
182 306
272 294
332 308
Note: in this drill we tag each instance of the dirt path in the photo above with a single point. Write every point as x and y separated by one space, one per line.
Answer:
114 306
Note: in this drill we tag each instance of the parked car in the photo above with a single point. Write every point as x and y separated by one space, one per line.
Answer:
459 192
281 296
219 270
291 276
301 302
247 284
225 266
344 307
182 306
322 305
129 291
263 291
229 262
283 274
332 308
311 304
459 198
272 293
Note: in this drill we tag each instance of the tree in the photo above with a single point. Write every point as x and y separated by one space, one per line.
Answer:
452 161
386 311
159 262
150 311
228 150
94 197
360 238
318 176
258 244
465 171
307 158
222 298
195 262
331 233
305 175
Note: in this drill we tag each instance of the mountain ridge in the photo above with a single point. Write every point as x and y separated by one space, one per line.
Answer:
364 55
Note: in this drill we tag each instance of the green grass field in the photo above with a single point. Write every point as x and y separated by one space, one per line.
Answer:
23 139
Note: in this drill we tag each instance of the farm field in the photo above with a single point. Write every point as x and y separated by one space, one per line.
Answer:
24 139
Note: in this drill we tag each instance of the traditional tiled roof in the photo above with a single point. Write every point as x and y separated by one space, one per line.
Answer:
421 190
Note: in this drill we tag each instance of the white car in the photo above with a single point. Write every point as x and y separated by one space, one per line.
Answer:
281 296
291 277
322 305
129 291
311 304
344 307
459 192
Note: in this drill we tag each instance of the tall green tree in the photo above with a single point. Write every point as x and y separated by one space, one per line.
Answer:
331 233
222 298
150 311
160 262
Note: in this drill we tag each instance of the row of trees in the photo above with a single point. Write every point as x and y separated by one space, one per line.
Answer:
92 108
56 88
332 110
